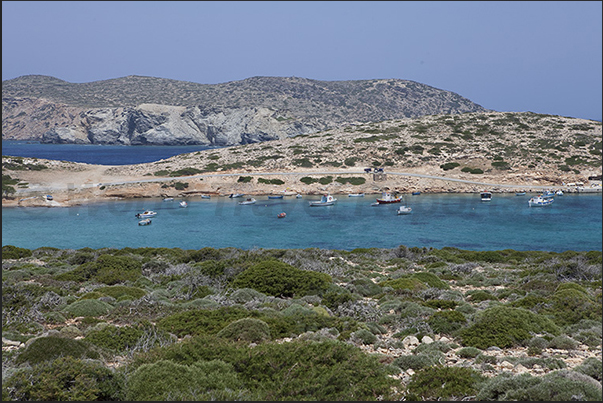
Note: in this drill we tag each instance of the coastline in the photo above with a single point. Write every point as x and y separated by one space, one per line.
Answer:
72 184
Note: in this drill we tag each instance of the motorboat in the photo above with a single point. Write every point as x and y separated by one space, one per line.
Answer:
559 192
540 200
486 196
183 203
416 193
205 196
281 215
146 221
387 197
325 200
249 200
168 199
275 196
548 193
404 210
146 214
356 195
520 193
235 195
298 196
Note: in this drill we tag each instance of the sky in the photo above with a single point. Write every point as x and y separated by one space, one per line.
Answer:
508 56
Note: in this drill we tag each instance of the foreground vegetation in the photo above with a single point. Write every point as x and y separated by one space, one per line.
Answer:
311 324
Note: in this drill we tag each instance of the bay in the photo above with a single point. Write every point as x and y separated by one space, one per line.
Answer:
96 153
573 222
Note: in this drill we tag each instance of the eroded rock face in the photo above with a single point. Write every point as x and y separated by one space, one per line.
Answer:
150 124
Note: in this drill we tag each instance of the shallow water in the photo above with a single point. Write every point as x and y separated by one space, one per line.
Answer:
573 222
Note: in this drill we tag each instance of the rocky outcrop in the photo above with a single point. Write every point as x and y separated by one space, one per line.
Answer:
150 124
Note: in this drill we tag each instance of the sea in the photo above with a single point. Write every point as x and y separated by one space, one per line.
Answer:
572 222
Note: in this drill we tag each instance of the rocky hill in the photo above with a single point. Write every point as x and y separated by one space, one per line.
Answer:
147 110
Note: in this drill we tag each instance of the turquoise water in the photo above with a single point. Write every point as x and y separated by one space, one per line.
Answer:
573 222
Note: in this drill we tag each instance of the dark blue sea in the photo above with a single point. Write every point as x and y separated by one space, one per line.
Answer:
572 222
95 153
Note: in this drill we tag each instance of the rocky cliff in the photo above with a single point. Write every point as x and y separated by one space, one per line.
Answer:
145 110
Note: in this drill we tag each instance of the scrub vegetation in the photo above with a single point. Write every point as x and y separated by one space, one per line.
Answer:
300 324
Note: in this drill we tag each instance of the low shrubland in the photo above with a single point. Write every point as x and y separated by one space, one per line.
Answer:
311 324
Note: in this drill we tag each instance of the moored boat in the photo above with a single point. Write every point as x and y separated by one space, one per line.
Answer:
520 193
416 193
235 195
146 221
388 197
146 214
486 196
540 200
281 215
325 200
356 195
183 203
402 210
275 196
249 200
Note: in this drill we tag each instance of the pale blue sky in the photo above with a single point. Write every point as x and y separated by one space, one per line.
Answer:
541 56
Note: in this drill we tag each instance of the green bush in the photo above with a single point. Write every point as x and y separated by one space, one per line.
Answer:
563 342
431 280
108 269
244 179
447 322
246 329
591 367
404 283
273 277
118 339
51 347
468 352
364 336
505 327
88 307
570 305
64 379
449 165
438 382
14 252
416 361
119 291
560 385
200 381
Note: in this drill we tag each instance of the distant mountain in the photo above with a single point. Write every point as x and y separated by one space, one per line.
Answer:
149 110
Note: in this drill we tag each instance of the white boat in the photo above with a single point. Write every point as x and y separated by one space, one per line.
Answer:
146 221
387 197
540 200
183 204
146 214
298 196
356 195
486 196
520 193
559 192
325 200
168 199
235 195
205 196
548 193
249 200
404 210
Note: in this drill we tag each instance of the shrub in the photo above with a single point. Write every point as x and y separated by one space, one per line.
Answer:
246 329
200 381
404 283
88 307
438 382
416 361
449 165
273 277
505 327
447 322
64 379
118 339
591 367
562 342
468 352
51 347
560 385
431 280
244 179
571 305
363 336
14 252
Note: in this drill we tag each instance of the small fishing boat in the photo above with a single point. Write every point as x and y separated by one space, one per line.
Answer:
235 195
183 204
485 196
146 221
356 195
416 193
168 199
298 196
548 193
249 200
402 210
49 197
275 196
325 200
387 197
559 192
205 196
540 200
520 193
281 215
146 214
